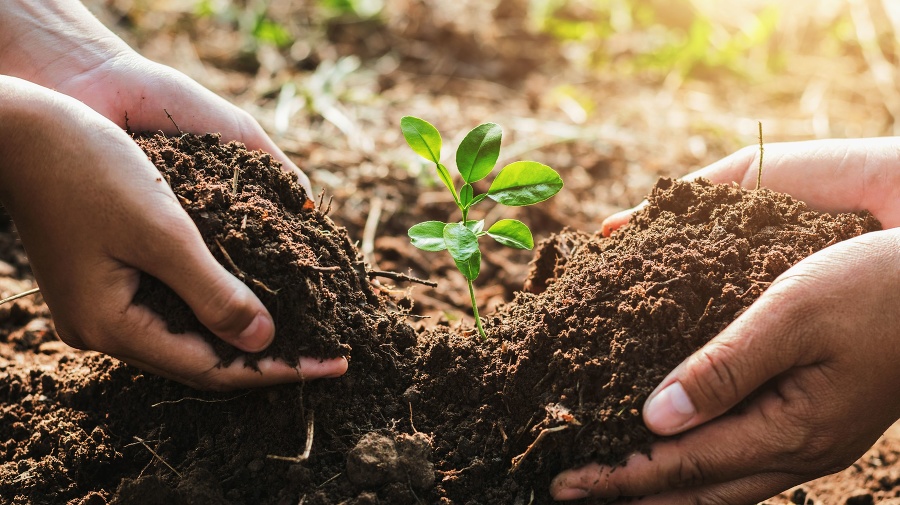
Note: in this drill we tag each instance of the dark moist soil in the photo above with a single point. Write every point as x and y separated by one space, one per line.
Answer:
423 416
260 224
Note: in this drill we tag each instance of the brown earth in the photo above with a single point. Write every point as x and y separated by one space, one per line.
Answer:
423 416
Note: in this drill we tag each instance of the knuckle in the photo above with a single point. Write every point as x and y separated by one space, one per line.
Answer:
688 472
719 383
226 310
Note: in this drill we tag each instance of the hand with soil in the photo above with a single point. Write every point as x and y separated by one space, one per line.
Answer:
807 375
60 45
93 211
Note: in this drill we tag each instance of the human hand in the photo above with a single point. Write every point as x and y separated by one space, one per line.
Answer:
93 212
58 44
818 349
840 175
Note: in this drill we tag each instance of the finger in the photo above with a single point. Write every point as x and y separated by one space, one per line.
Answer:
728 450
747 491
763 342
619 219
165 244
189 359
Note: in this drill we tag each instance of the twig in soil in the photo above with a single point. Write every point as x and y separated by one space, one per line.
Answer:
517 461
20 295
371 229
204 400
234 267
759 170
331 479
173 121
310 431
317 268
234 180
400 277
265 288
157 456
321 199
413 426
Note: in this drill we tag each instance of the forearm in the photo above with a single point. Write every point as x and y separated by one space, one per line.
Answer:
51 41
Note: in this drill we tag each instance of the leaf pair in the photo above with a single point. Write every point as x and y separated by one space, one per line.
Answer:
461 240
517 184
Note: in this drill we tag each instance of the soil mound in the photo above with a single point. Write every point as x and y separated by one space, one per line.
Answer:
432 416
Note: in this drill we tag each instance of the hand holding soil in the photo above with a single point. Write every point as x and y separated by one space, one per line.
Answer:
811 364
94 212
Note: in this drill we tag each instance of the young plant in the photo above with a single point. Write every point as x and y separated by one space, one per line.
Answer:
517 184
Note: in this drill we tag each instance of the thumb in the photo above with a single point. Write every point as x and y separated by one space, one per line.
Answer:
220 301
619 219
749 352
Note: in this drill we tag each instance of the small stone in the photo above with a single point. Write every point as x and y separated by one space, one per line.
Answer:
415 460
373 461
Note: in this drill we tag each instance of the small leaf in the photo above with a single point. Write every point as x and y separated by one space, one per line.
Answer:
471 267
422 137
478 152
444 175
428 236
475 226
466 194
525 183
476 200
460 241
512 233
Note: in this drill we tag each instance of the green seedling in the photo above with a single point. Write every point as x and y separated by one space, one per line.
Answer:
517 184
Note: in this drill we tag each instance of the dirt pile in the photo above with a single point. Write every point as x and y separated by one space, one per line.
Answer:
432 416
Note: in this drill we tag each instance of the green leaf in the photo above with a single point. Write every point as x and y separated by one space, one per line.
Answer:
466 194
478 152
470 268
512 233
461 242
428 236
422 137
525 183
477 199
444 175
267 30
475 226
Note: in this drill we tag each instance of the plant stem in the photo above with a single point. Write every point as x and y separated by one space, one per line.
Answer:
475 310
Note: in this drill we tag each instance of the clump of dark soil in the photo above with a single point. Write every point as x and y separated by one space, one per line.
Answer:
434 416
260 224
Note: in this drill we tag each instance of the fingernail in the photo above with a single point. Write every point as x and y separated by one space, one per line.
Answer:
572 493
669 410
258 333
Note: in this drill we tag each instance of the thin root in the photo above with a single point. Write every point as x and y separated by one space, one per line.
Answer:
234 267
158 457
517 461
310 431
20 295
400 277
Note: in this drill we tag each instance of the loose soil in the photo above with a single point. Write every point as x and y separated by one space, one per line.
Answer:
425 415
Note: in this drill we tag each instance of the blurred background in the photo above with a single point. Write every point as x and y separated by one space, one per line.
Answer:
612 93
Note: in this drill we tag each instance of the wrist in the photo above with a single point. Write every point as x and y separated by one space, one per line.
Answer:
52 42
